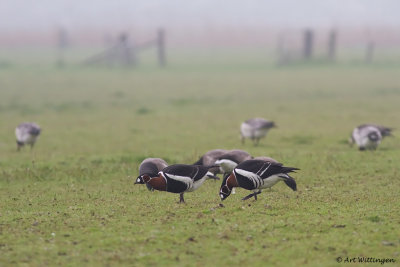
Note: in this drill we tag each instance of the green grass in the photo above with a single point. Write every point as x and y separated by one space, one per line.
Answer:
71 201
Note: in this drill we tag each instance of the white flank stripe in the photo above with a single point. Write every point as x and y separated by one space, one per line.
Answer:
162 174
196 172
184 179
251 176
265 169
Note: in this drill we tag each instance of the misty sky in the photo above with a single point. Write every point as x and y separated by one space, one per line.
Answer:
45 14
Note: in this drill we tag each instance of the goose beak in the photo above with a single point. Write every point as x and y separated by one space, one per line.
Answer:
137 181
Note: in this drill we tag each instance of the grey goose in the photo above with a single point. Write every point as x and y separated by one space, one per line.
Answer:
255 129
27 134
369 136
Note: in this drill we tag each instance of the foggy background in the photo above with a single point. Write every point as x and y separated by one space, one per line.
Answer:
206 24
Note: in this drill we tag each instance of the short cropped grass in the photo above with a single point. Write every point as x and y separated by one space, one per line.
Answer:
71 201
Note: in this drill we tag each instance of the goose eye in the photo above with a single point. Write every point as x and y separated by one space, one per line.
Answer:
225 190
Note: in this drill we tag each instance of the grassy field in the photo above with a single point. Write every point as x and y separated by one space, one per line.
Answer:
71 201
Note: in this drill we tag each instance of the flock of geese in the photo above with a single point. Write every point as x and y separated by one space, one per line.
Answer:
238 168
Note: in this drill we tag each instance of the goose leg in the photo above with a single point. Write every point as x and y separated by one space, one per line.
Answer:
255 195
181 200
252 195
19 145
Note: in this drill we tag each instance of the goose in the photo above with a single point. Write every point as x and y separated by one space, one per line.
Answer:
209 159
150 166
369 136
255 129
178 178
27 134
256 175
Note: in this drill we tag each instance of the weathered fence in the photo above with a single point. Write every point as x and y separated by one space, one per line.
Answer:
125 53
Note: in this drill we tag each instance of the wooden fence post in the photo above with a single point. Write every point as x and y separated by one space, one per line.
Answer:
369 52
62 44
161 47
308 44
332 45
125 52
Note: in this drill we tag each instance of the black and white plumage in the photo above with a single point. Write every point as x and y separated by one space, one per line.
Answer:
179 178
209 158
369 136
255 129
27 134
151 167
256 175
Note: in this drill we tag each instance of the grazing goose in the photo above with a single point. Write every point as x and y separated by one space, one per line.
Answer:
209 159
179 178
255 129
151 167
256 175
369 136
27 133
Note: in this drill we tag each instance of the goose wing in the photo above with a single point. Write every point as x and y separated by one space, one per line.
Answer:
201 172
179 177
260 123
236 155
250 173
211 156
34 130
160 163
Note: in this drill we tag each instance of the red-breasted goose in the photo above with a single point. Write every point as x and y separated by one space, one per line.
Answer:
256 175
179 178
